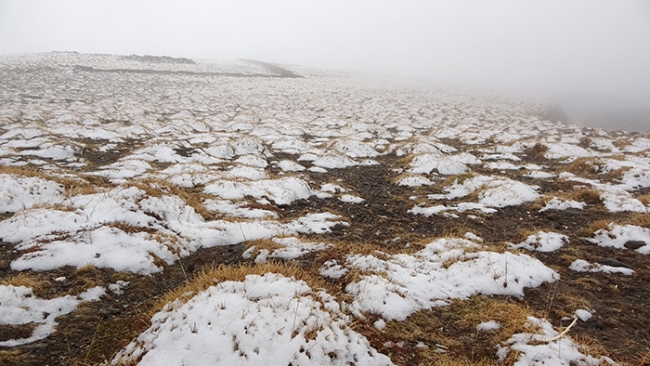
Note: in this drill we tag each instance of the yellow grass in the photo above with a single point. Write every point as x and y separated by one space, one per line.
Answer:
211 277
27 280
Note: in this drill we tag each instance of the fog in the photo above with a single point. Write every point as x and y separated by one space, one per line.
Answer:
589 56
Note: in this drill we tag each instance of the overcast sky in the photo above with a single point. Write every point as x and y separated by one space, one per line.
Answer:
592 56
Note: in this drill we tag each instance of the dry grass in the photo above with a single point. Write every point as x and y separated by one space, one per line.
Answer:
566 303
644 198
212 276
262 244
84 190
88 268
158 188
340 249
588 283
457 179
10 357
593 227
82 184
24 171
27 280
589 196
638 219
523 234
451 329
584 166
537 151
130 229
511 315
616 174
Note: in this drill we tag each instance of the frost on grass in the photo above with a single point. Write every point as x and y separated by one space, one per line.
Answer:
537 349
18 305
402 284
617 235
264 320
542 242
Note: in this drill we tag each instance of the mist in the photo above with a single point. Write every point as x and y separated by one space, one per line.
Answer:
590 57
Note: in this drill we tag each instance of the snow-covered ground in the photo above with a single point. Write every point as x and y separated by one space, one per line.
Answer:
96 163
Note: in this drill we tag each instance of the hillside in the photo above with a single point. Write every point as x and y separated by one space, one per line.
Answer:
172 211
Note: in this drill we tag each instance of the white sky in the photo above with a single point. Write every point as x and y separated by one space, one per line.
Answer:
583 52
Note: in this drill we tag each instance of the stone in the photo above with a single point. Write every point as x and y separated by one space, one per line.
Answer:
613 263
634 244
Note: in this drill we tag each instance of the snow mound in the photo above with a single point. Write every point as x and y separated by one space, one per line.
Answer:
442 163
282 191
263 320
493 191
402 284
128 230
24 192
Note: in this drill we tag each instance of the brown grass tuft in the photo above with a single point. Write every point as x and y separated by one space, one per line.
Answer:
459 179
593 227
158 188
644 198
537 151
637 219
451 329
27 280
587 195
260 244
584 166
210 277
130 229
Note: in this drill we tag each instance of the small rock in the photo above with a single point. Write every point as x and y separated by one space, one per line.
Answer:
613 263
634 244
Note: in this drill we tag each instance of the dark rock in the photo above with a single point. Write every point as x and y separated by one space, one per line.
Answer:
613 263
634 244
